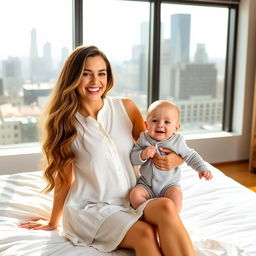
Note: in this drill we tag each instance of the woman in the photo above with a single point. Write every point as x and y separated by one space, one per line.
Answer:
87 145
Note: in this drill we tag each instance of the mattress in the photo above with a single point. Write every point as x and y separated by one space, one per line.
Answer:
220 216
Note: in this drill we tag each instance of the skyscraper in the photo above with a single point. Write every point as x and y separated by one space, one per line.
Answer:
194 79
201 55
47 62
63 57
143 59
174 52
33 45
180 38
34 61
189 79
12 76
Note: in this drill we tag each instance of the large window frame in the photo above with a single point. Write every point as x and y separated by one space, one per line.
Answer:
221 147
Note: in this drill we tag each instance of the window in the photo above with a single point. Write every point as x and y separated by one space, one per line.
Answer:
121 30
193 57
36 37
158 50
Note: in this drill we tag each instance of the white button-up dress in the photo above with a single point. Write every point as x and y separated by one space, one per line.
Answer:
97 210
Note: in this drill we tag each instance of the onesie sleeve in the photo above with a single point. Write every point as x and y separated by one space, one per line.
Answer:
138 146
191 157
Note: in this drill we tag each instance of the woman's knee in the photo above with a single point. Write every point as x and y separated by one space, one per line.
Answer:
166 208
161 211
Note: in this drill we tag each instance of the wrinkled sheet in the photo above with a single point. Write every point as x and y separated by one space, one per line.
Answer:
220 216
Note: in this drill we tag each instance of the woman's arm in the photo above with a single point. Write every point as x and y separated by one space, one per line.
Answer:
136 118
60 193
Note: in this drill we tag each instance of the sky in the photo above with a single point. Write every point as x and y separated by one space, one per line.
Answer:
51 18
105 25
208 25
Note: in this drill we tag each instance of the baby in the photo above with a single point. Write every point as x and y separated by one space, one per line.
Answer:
162 126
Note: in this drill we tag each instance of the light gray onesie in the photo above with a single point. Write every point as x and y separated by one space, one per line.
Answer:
157 181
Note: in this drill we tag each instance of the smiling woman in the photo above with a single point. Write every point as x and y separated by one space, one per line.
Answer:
87 145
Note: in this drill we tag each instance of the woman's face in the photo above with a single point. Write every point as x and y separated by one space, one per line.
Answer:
94 81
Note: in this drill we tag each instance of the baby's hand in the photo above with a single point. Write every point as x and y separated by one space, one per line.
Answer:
206 174
148 152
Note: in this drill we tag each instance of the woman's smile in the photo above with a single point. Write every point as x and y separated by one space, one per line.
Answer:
93 90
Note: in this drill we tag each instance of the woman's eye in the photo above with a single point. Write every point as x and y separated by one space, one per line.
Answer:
102 74
86 74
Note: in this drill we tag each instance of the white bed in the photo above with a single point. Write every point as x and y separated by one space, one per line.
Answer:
220 216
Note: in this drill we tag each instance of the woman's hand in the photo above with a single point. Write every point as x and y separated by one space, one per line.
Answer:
38 224
167 162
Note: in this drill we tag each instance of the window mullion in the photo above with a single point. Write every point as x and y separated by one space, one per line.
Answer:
154 51
77 23
230 71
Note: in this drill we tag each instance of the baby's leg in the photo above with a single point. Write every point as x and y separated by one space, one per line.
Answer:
138 196
175 194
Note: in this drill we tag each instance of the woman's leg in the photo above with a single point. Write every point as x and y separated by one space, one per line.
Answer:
141 237
138 196
175 194
174 239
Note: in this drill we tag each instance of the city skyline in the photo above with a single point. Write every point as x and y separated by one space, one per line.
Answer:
45 62
143 42
192 81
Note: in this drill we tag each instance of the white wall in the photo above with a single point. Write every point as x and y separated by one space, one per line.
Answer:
222 147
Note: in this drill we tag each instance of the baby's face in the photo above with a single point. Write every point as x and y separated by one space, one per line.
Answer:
162 123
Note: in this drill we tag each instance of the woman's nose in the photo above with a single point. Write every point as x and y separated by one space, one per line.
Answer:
95 79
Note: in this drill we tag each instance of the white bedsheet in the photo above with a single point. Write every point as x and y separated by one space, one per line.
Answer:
220 216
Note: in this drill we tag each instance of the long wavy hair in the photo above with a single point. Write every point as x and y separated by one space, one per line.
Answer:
60 121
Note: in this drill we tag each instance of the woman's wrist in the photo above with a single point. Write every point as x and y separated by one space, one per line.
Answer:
53 224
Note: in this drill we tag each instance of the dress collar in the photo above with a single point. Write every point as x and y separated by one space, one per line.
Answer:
100 113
